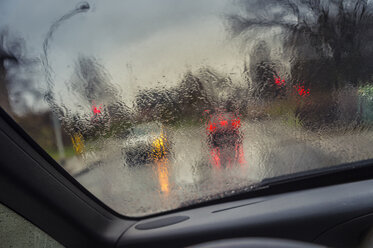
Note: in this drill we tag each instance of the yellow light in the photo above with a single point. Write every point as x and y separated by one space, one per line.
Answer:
159 148
162 167
78 143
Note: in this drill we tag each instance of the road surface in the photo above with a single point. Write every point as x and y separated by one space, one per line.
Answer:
269 149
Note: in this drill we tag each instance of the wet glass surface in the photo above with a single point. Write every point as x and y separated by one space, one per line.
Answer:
155 106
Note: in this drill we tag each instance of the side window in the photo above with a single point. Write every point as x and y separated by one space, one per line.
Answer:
15 231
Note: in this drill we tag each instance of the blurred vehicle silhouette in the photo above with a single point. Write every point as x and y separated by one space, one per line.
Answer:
145 144
224 139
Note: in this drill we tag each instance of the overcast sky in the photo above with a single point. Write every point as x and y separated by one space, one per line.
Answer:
139 42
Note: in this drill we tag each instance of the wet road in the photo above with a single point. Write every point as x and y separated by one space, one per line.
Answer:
269 149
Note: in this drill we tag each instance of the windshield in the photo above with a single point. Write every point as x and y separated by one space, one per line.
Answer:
146 129
155 105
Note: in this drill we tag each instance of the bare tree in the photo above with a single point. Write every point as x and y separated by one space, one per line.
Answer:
92 83
92 86
328 42
6 56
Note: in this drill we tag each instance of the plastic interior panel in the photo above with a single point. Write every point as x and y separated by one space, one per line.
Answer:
302 215
161 222
55 203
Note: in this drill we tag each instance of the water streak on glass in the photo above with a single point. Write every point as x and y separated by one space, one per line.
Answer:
156 106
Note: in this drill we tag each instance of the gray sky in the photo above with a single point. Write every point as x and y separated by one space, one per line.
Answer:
139 42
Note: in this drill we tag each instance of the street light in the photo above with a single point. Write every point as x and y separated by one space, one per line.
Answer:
49 97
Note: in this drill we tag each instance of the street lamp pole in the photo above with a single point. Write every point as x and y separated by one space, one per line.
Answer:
49 96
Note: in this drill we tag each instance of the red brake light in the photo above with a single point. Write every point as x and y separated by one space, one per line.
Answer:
211 127
223 123
236 123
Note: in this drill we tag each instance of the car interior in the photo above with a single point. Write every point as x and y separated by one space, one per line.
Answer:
331 208
242 123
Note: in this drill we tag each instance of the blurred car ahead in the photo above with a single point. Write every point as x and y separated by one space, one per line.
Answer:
224 139
146 143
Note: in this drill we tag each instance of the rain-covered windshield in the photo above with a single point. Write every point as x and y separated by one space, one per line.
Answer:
155 105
